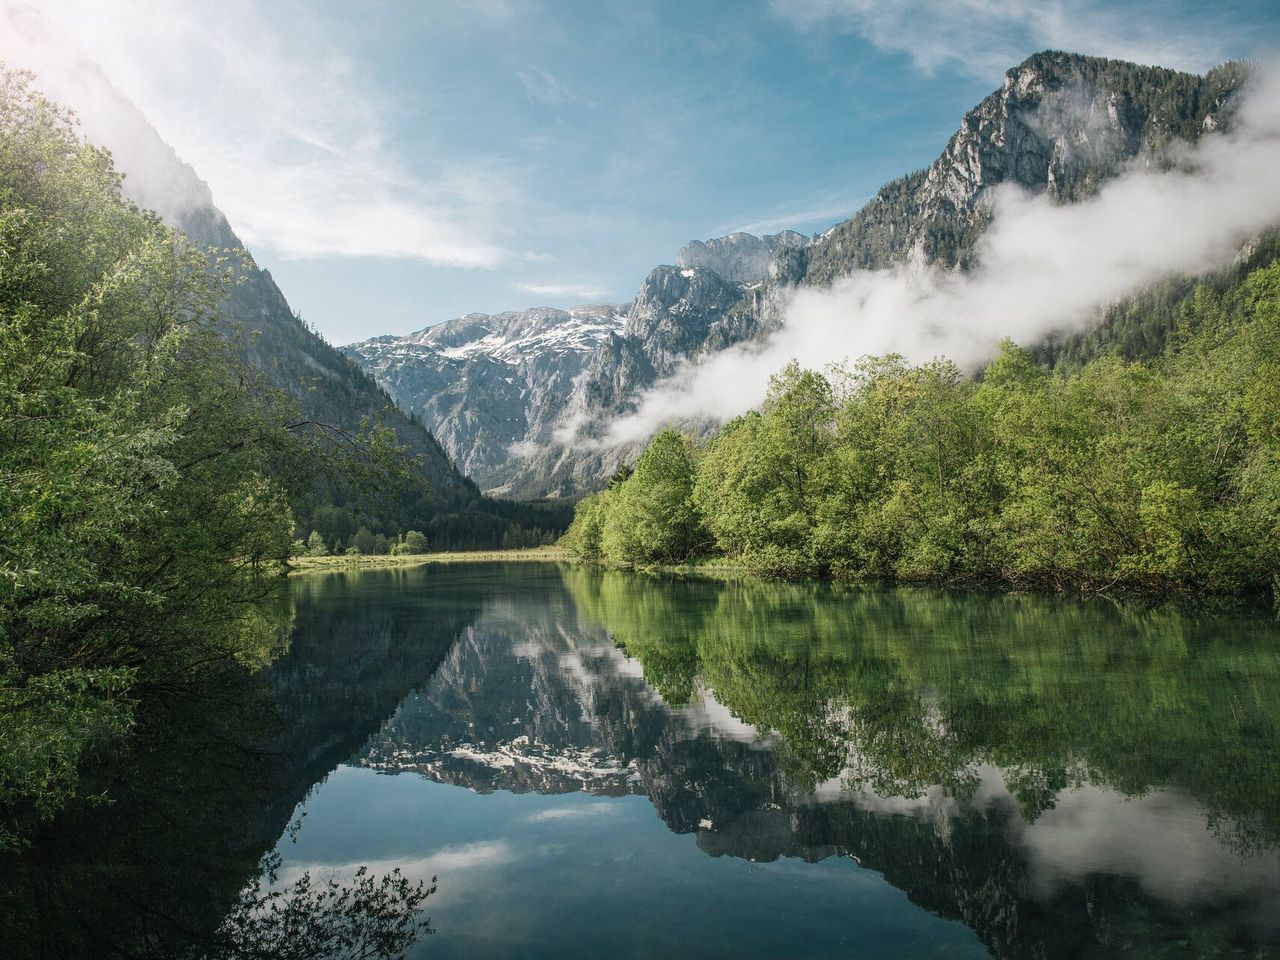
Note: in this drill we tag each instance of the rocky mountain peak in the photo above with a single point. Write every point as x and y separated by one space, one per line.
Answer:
492 382
739 257
1060 124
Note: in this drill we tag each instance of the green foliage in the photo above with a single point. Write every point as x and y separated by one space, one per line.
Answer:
364 542
651 516
450 519
1165 314
903 690
374 917
413 542
140 521
584 538
316 545
762 477
1158 476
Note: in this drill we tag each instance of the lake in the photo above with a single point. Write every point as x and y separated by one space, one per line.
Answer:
608 764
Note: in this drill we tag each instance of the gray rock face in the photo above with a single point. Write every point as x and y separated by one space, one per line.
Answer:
493 385
1060 124
675 311
739 257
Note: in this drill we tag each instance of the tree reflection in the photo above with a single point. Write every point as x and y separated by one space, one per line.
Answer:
900 691
370 918
172 865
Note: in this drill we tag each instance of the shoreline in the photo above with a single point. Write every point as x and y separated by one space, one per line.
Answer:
726 569
343 562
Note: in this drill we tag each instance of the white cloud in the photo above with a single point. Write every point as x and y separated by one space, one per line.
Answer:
576 812
986 37
1160 839
579 290
289 134
447 861
1043 268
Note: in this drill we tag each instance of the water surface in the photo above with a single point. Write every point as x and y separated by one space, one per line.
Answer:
597 763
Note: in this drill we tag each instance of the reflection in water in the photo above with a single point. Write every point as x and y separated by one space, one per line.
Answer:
1068 779
1065 779
178 862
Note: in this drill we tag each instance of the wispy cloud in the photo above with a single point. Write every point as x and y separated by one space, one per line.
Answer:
576 812
290 134
985 37
545 88
561 290
819 212
449 861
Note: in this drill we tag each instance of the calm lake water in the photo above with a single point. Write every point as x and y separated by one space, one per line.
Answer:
602 764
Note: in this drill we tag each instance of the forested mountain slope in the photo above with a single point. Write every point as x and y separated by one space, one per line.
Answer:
1157 475
326 386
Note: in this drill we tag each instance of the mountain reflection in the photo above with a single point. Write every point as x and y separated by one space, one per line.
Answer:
1066 778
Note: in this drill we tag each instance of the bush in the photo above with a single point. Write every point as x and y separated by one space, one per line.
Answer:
413 542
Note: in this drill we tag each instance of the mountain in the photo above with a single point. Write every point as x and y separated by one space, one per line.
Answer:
325 384
495 389
739 257
488 383
1060 125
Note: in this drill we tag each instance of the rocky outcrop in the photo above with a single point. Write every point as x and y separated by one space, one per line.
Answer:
1060 124
739 257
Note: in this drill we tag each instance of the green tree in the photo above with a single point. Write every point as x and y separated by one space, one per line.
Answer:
364 541
141 524
1160 476
414 542
762 478
585 535
651 517
316 545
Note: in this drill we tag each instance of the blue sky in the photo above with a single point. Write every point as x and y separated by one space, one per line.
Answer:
395 164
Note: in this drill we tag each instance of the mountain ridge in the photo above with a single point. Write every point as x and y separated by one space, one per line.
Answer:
1060 124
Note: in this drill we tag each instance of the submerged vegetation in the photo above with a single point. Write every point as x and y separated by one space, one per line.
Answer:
1158 476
